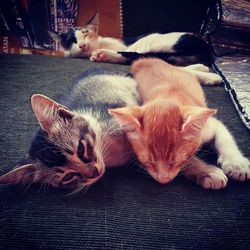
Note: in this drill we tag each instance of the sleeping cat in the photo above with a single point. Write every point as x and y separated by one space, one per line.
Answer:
176 47
85 41
78 138
174 123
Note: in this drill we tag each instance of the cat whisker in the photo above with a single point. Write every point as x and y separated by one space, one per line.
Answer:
77 190
203 152
34 181
46 183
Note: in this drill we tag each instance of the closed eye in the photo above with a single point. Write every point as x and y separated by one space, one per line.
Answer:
82 152
149 164
85 33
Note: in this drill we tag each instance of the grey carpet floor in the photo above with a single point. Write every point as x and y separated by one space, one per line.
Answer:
236 71
126 209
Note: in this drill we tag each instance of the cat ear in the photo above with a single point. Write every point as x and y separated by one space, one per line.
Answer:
130 118
195 119
54 35
93 23
24 174
48 111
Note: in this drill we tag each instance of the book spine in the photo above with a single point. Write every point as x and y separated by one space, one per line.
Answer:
11 12
66 15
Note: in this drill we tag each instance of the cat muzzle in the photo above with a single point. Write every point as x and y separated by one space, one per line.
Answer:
83 46
71 180
74 179
163 177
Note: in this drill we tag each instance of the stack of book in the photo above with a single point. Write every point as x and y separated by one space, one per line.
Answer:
24 25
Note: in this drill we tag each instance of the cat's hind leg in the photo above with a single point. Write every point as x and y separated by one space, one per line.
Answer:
232 162
205 175
107 55
198 67
205 78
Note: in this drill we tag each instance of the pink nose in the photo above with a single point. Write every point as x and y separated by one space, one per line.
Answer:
82 46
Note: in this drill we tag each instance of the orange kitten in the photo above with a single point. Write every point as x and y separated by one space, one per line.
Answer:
173 123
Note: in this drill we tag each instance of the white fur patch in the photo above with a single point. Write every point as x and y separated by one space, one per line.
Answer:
92 45
206 78
232 162
111 43
198 67
156 43
125 89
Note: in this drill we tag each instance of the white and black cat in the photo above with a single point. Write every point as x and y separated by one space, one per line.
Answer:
78 137
177 48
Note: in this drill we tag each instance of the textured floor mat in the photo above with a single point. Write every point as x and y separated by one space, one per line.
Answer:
126 209
236 72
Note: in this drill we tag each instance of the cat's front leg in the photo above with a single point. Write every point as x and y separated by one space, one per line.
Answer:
205 175
107 55
232 162
201 72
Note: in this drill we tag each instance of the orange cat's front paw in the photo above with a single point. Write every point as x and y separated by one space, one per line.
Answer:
215 179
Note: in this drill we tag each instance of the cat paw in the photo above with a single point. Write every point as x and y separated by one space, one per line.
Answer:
237 168
198 67
104 55
98 56
216 179
212 79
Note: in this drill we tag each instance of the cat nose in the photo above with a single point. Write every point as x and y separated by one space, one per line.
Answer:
82 46
164 177
95 173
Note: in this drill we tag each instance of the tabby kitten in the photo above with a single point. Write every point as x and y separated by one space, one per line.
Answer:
77 139
174 123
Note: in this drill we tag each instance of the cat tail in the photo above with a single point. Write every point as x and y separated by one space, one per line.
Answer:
190 49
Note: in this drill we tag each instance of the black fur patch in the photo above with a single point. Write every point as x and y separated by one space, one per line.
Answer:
67 39
189 44
189 49
192 45
48 153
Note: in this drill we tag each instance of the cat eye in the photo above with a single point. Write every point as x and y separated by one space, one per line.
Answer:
70 176
85 33
68 151
82 149
150 164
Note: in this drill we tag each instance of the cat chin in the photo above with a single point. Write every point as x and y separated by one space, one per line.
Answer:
101 171
78 185
162 178
93 180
